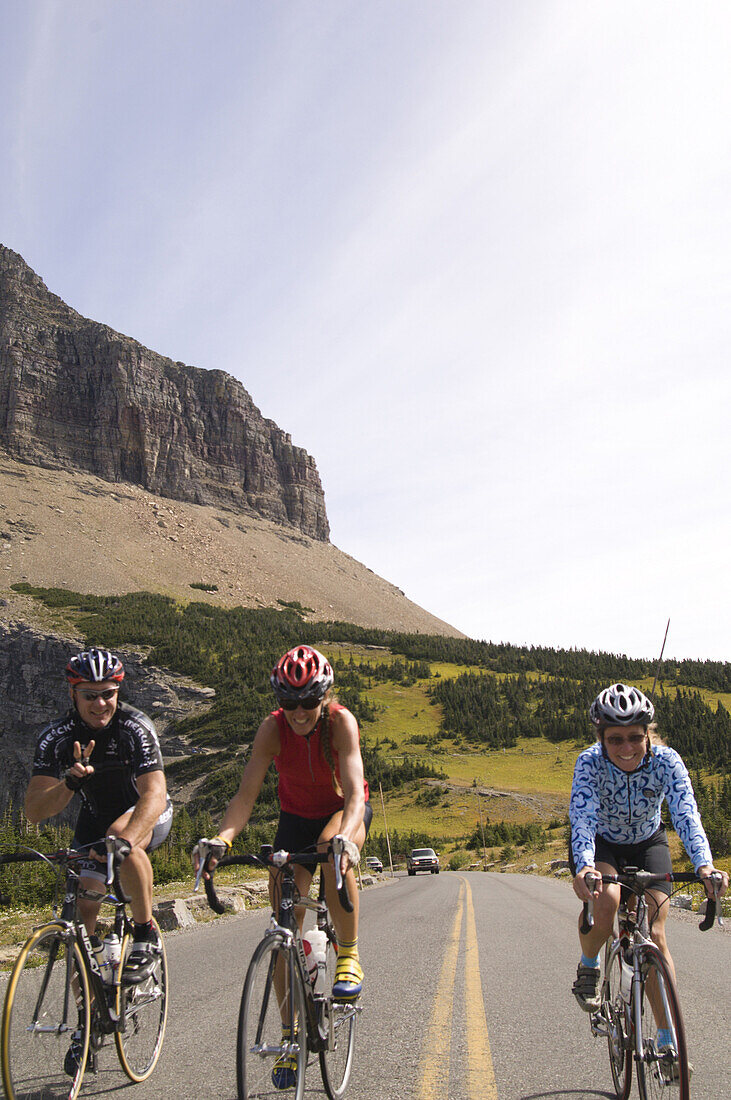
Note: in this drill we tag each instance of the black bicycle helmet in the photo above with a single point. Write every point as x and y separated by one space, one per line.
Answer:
621 705
94 666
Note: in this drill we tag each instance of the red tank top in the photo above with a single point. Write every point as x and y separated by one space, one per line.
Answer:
305 780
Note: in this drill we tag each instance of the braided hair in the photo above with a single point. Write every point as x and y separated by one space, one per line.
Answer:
326 742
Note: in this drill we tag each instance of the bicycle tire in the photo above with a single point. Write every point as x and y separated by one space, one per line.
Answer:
259 1040
619 1032
653 1078
145 1010
339 1020
46 1002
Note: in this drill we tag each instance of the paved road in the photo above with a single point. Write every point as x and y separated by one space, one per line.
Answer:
514 1033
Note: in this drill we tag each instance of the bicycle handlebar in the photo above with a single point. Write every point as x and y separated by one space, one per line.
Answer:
639 881
269 859
63 857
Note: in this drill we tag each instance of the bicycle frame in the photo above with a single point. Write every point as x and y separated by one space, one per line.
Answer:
105 1019
620 1017
285 924
631 938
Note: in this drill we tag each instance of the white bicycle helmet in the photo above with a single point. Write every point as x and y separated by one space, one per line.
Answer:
621 705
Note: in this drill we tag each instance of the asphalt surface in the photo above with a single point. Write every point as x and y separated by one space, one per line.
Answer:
516 1033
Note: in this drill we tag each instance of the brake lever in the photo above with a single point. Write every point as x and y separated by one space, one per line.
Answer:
204 850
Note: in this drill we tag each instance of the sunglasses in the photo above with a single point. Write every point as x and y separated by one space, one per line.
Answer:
310 703
632 739
90 696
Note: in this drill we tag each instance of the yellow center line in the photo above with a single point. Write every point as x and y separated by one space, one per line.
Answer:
480 1081
435 1068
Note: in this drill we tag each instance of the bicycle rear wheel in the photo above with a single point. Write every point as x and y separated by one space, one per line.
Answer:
336 1061
614 1012
145 1009
659 1076
266 1058
46 1002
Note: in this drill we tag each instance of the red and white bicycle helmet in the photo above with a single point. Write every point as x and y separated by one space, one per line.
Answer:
94 666
302 673
621 705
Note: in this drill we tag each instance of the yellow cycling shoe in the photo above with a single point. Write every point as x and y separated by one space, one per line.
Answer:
284 1073
348 978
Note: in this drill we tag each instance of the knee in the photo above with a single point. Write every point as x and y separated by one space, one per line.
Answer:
137 863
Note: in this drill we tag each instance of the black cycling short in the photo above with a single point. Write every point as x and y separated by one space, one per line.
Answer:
89 830
651 855
297 834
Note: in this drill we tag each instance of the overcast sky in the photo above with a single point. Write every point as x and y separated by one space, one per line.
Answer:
474 256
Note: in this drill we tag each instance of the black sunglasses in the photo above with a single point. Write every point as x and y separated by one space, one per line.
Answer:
90 696
310 703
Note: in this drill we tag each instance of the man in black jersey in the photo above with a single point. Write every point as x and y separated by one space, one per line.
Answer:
108 752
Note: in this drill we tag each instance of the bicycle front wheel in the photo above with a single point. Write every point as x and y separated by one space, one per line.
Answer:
271 1046
336 1060
47 1004
660 1072
614 1012
144 1008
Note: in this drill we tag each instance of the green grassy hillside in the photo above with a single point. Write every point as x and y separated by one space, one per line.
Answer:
458 736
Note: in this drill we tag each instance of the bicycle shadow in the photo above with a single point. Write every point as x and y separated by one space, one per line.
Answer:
568 1092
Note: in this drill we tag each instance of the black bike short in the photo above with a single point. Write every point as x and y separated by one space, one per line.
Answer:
651 855
297 834
90 829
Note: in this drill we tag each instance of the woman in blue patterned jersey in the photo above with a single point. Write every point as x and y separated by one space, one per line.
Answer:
618 789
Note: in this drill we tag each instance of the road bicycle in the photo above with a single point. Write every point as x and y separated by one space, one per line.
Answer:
57 991
634 974
282 1015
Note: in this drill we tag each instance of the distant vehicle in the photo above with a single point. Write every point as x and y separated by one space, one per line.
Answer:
373 863
422 859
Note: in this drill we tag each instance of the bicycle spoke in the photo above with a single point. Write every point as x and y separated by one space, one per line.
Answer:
47 1002
615 1014
145 1009
661 1074
268 1060
339 1022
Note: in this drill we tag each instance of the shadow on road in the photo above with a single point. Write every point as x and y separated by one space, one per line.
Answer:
567 1092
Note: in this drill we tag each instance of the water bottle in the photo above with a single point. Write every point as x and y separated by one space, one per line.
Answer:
315 945
625 980
97 947
112 954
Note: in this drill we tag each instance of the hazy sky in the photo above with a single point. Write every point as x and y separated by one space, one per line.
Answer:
475 257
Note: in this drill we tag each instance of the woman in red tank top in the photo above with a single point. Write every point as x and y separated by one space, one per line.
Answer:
314 743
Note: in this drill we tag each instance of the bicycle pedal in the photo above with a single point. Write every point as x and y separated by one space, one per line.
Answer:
598 1025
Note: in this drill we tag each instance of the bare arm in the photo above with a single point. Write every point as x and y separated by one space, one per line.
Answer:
263 751
346 744
47 796
149 806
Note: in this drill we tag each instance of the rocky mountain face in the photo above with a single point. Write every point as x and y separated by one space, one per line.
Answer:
75 394
34 691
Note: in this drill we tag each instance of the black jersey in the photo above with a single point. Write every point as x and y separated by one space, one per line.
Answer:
126 748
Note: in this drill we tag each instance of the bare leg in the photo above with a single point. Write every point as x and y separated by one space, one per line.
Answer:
135 873
302 878
346 924
657 905
605 910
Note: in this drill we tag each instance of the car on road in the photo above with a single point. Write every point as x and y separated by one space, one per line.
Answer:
422 859
373 863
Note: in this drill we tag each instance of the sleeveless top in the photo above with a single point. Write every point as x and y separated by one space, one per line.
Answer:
305 780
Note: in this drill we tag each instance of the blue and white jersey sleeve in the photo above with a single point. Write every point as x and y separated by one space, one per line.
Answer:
683 808
584 811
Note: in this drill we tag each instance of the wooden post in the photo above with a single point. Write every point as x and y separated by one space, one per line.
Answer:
385 823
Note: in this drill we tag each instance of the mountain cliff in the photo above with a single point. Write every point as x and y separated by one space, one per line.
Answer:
75 394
